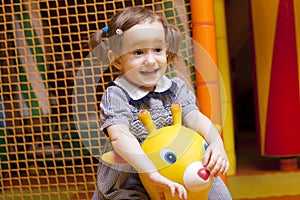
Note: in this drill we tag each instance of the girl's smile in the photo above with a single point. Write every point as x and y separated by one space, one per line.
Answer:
149 72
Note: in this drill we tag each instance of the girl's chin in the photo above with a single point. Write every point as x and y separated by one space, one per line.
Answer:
148 85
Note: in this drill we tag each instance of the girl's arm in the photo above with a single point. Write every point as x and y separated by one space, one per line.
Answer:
127 146
215 158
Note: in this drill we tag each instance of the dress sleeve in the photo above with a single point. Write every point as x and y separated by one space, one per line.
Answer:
114 108
185 97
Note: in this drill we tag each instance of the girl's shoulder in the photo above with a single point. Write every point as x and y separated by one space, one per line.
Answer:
113 87
181 84
116 92
178 81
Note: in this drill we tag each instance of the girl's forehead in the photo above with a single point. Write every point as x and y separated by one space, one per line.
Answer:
144 36
145 25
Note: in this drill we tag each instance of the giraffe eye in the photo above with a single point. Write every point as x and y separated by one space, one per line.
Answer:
205 146
168 156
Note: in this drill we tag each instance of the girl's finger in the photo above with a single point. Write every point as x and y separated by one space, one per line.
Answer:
172 189
206 158
212 163
227 167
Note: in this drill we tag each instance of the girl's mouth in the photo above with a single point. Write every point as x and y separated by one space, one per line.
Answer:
149 72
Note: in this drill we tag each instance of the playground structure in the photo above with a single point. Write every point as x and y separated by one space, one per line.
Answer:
45 153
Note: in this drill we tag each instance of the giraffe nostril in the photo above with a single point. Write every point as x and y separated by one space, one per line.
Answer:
203 173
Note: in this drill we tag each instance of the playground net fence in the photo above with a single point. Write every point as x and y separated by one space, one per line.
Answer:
47 151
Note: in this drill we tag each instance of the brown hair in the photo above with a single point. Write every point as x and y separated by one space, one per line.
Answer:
126 19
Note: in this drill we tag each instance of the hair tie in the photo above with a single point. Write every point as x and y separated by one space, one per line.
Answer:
119 31
105 29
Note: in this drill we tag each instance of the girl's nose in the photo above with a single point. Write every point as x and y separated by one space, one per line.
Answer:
149 59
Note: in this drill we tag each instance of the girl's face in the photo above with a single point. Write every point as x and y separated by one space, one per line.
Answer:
143 60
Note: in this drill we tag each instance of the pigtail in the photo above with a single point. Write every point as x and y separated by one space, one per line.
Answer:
98 46
173 39
95 39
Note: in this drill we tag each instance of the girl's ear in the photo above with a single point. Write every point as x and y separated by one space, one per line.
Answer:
114 60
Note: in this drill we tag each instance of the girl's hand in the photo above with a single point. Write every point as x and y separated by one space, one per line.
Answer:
161 184
215 158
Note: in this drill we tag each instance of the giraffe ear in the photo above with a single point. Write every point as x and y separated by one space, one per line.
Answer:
218 127
112 157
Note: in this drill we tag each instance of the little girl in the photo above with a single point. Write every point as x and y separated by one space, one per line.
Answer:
140 45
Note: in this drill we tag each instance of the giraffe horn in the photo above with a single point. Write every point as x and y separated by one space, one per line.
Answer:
145 118
176 110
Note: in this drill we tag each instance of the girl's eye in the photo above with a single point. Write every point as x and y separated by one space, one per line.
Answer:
138 52
158 50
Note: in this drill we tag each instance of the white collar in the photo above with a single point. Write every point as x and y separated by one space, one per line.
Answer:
136 92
